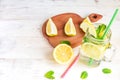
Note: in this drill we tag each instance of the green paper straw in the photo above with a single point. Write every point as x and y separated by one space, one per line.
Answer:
110 23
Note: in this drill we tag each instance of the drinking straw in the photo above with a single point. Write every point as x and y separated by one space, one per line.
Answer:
110 23
73 62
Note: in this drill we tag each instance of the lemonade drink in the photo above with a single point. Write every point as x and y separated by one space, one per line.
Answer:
94 48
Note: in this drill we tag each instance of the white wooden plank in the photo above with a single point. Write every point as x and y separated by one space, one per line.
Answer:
26 55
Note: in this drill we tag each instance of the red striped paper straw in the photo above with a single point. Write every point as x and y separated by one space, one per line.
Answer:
73 62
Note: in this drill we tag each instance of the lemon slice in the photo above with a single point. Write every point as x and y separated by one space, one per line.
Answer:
87 26
62 53
51 28
70 28
93 51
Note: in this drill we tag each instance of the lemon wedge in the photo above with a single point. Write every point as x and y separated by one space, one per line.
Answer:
87 26
70 28
51 29
93 51
62 53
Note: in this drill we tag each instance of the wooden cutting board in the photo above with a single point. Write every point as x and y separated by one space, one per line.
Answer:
60 21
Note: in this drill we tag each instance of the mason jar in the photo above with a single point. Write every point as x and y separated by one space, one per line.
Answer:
92 49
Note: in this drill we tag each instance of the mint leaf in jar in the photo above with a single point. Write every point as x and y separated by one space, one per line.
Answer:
100 30
106 71
84 75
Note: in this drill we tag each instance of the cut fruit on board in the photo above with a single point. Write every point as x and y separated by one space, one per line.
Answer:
51 28
70 28
60 21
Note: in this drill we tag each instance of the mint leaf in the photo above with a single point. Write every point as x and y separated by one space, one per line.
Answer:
85 39
90 62
65 42
49 75
100 30
106 71
84 75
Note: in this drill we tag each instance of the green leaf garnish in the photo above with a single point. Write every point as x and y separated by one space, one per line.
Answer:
84 75
65 42
100 30
85 39
106 70
49 75
90 62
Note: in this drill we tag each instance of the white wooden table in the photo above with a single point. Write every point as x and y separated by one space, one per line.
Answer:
26 55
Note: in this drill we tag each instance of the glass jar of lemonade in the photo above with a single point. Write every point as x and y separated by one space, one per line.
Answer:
93 49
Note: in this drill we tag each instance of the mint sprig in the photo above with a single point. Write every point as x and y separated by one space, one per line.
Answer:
106 71
65 42
84 75
100 30
49 75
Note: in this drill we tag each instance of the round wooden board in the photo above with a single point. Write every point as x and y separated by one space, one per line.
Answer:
60 21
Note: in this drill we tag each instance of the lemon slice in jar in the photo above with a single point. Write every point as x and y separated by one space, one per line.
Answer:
51 29
87 26
93 51
70 28
62 53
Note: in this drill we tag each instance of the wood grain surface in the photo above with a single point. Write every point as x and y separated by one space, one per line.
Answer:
26 55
